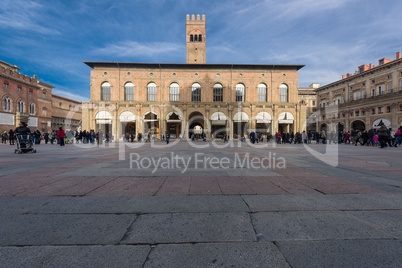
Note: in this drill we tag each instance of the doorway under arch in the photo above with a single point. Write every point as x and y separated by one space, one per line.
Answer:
358 125
196 122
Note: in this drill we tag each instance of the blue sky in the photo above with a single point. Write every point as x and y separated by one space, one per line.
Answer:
331 37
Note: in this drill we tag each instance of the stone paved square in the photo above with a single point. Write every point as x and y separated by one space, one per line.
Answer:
62 201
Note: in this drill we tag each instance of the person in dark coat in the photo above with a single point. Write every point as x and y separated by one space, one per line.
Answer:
383 136
11 136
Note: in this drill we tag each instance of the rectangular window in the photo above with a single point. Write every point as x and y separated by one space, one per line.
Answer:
129 93
357 113
44 95
400 85
380 110
239 96
151 93
174 93
357 95
19 88
5 84
389 88
313 102
380 90
363 94
284 95
262 94
106 93
196 94
373 111
218 94
361 70
363 113
388 109
372 92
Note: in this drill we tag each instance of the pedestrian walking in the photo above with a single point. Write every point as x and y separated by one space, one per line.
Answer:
61 135
11 135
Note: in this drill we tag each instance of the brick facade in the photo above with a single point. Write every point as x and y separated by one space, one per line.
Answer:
362 100
38 107
154 108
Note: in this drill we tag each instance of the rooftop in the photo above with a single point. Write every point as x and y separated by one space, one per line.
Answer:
94 64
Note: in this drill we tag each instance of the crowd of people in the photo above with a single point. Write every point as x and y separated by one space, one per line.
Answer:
381 137
60 136
374 137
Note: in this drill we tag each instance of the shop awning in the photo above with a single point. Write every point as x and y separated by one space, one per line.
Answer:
286 118
263 118
241 117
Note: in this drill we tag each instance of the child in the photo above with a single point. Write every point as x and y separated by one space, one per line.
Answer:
375 139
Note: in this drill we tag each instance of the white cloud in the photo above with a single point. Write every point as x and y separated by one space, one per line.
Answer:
23 15
131 48
70 95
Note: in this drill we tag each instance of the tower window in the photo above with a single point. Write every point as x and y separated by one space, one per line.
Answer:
200 38
195 38
191 38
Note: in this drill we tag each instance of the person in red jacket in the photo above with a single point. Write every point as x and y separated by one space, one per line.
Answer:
60 135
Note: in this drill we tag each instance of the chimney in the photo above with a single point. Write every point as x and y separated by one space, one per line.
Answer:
348 75
398 55
343 76
370 66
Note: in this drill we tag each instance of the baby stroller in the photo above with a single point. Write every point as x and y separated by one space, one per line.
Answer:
24 144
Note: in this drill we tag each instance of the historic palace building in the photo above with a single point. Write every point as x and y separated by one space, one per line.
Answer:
26 99
193 97
362 100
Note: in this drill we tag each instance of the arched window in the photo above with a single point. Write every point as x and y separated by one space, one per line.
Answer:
32 109
200 38
152 92
195 38
283 89
262 93
191 38
7 104
240 93
129 91
105 94
196 92
20 106
218 92
174 92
